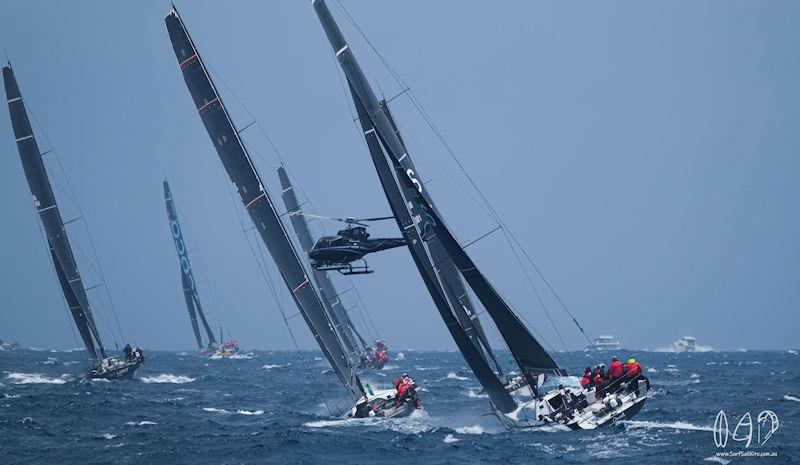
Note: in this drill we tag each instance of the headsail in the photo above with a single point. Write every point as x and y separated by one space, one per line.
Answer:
45 202
187 277
242 172
330 298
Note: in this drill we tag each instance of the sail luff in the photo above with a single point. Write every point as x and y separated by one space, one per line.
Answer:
339 317
238 164
45 203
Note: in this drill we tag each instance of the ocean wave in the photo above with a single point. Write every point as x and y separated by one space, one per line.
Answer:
476 394
108 436
476 429
452 375
792 351
665 425
449 439
215 410
248 412
269 366
716 459
167 378
36 378
141 423
792 398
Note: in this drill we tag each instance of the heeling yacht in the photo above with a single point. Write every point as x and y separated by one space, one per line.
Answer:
602 343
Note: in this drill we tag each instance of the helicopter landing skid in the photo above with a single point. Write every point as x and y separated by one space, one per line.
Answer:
346 268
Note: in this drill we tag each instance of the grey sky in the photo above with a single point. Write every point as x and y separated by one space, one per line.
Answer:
646 155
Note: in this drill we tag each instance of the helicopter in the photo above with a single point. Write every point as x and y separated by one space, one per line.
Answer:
349 245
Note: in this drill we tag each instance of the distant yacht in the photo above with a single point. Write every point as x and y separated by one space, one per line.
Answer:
8 345
603 342
686 344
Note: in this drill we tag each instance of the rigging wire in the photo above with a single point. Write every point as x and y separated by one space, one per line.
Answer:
362 308
506 231
74 199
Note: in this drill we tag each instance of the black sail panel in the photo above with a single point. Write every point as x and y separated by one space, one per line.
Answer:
472 354
187 276
45 202
242 172
529 354
338 314
463 309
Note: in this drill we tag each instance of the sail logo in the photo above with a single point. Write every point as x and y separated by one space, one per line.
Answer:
414 180
766 425
181 247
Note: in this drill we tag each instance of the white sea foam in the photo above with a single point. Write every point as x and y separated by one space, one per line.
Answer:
418 422
10 396
141 423
665 425
36 378
390 367
449 439
793 352
694 376
476 429
166 378
788 397
215 410
452 375
402 356
476 394
248 412
652 370
246 356
270 366
716 459
50 361
107 436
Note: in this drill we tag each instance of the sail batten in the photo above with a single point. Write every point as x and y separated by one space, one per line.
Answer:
44 200
240 169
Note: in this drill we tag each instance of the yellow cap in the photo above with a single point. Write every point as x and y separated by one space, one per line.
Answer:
631 360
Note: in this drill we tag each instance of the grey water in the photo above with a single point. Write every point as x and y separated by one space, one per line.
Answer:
283 407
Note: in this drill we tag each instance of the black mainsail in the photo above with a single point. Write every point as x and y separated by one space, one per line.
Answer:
45 202
239 166
432 246
330 298
187 277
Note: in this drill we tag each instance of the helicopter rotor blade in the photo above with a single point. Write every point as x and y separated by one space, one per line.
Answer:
379 218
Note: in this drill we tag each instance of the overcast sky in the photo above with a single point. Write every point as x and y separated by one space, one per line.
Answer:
646 155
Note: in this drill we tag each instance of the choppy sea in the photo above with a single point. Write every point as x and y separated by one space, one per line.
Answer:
281 407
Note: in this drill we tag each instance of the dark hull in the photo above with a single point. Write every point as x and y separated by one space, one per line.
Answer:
124 371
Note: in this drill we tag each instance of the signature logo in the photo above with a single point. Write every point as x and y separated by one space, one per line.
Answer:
765 426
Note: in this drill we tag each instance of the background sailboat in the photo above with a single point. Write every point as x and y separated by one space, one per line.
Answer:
210 347
242 172
103 365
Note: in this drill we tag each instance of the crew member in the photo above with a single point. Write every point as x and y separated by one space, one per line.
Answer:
586 380
634 372
127 351
599 382
614 375
401 384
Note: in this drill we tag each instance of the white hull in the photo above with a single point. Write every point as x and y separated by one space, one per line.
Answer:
382 404
590 413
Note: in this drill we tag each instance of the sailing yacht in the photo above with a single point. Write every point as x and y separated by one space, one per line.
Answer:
242 172
210 346
443 263
103 365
